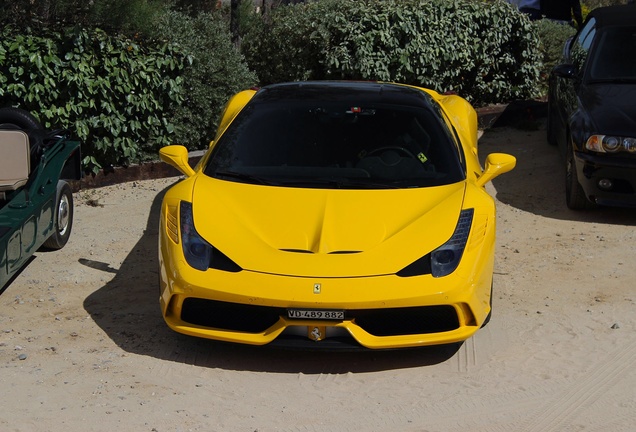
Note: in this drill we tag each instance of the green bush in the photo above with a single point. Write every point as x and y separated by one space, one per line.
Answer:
593 4
117 16
216 71
124 98
115 94
126 16
484 51
552 36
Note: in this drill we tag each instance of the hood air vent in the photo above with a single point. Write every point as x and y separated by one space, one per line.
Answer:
311 252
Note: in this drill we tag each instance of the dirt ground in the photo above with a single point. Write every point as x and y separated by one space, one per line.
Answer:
83 346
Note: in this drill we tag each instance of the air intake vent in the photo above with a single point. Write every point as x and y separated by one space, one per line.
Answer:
330 253
171 223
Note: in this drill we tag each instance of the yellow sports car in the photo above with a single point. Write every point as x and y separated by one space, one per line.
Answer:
332 214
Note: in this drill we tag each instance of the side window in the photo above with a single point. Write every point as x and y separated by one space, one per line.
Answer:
581 44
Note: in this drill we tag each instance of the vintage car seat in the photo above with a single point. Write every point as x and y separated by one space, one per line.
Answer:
15 160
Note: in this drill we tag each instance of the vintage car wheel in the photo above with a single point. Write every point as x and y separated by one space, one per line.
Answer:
574 194
18 118
62 218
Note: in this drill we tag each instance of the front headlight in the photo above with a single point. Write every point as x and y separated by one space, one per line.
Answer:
445 259
611 144
197 252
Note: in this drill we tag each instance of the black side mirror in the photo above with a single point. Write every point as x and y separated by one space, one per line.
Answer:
564 70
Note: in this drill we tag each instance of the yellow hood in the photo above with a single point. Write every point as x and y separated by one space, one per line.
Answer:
324 232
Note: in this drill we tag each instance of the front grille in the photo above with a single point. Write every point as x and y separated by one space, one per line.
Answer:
378 322
229 316
406 321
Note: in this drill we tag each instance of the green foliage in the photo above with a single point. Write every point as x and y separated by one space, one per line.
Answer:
125 97
248 16
485 51
127 16
552 36
195 7
281 47
593 4
29 13
216 71
115 94
118 16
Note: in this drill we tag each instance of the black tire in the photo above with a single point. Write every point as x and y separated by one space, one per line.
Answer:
19 118
62 217
574 193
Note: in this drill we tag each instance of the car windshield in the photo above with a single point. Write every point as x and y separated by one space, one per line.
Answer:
614 54
336 142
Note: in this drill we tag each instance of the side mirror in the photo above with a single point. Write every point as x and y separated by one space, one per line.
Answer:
564 70
496 164
177 156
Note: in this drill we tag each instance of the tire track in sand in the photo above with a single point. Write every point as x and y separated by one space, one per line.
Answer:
556 414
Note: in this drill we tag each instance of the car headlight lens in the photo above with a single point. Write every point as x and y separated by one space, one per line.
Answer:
445 259
611 144
197 252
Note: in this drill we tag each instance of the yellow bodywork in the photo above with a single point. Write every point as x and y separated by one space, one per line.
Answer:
355 243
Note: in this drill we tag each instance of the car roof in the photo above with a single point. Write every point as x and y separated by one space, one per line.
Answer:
359 92
614 15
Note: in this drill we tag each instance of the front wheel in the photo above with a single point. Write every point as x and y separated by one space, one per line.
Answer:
62 218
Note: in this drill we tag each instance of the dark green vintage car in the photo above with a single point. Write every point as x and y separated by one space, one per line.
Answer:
36 203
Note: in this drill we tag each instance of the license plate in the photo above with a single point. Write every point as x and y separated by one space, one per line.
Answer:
315 314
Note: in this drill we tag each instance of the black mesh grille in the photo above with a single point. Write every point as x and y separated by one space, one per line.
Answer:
403 321
229 316
378 322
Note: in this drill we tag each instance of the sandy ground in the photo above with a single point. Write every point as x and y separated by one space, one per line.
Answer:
83 346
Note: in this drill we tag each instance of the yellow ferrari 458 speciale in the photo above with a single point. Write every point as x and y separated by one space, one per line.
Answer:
332 214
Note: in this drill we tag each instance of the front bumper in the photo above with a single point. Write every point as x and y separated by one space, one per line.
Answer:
379 312
620 171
